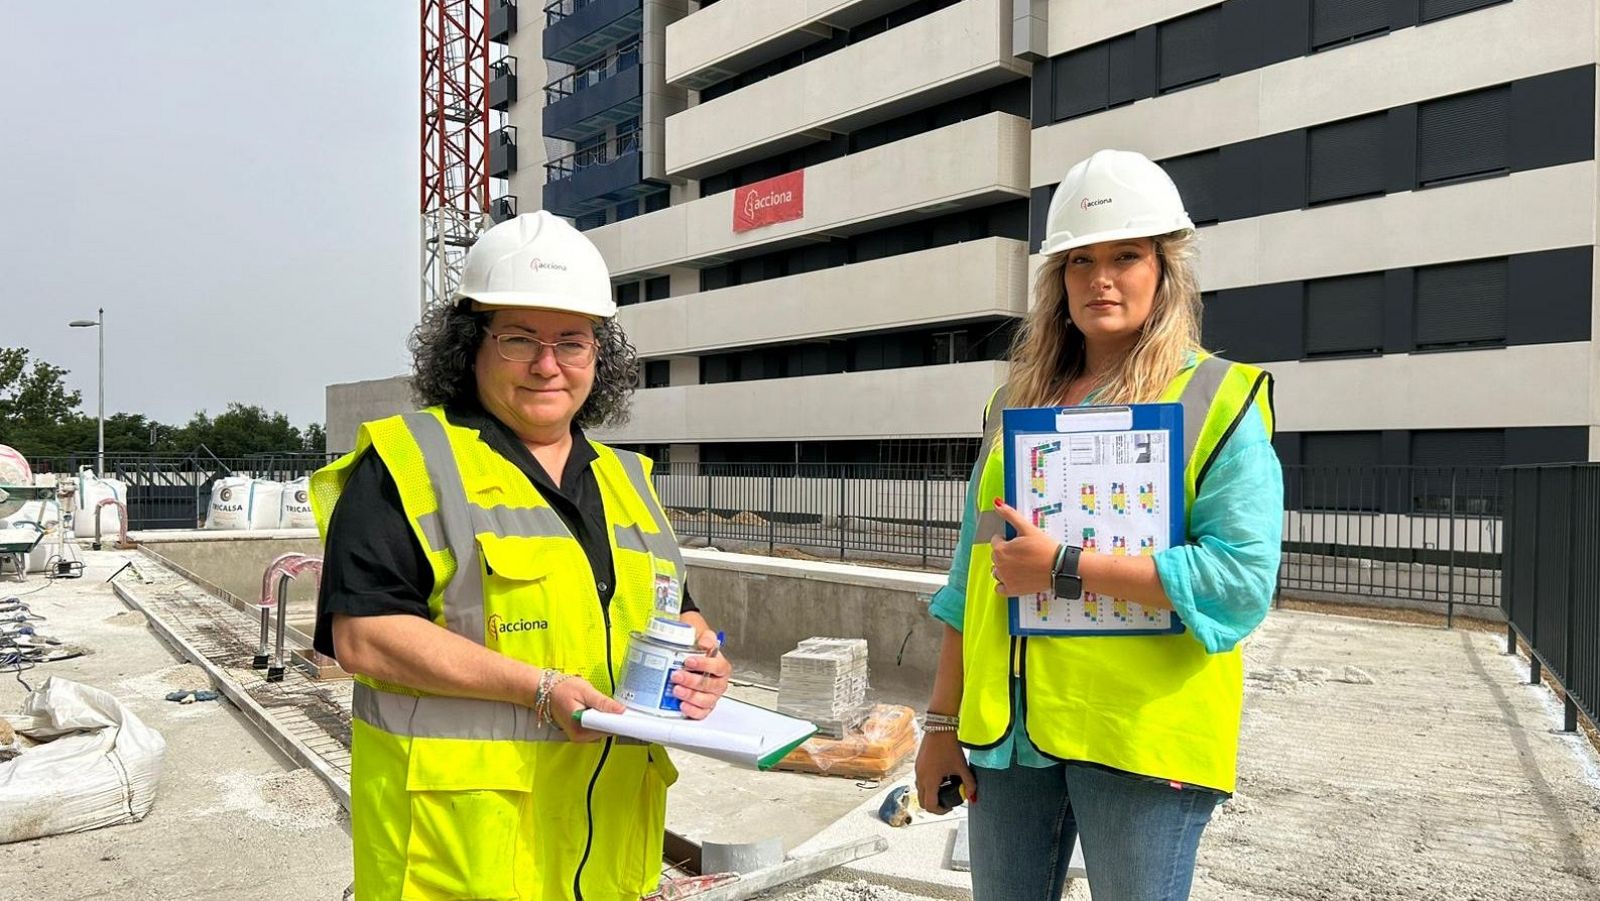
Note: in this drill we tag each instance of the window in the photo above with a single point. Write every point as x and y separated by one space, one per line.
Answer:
1461 305
659 288
1344 315
627 294
949 347
1463 136
1334 464
1339 21
1438 9
1346 159
1196 178
1080 82
657 373
590 220
1189 50
1457 470
1122 71
589 152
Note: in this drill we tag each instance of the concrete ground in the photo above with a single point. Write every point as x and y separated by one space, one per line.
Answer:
1378 761
232 819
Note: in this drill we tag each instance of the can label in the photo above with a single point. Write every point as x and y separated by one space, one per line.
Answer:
647 676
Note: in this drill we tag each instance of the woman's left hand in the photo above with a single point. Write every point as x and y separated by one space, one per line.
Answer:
703 680
1022 564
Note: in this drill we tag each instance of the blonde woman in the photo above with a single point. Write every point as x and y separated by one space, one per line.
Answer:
1128 742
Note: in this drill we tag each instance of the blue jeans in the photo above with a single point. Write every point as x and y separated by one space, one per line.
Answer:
1139 835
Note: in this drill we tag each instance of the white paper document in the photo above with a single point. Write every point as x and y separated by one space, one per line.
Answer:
735 732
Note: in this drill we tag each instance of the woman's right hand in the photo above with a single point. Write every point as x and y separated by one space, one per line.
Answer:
941 756
572 695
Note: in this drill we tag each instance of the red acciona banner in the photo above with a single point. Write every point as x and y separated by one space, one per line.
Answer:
778 199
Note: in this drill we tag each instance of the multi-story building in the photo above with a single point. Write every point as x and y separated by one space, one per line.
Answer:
823 231
1397 201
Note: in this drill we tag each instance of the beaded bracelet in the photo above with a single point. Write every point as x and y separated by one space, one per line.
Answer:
548 680
938 727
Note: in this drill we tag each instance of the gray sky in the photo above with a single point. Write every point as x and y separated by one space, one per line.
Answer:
235 182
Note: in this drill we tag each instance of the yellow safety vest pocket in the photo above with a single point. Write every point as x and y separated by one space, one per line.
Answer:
470 844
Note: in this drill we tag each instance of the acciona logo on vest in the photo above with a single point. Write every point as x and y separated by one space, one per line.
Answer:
499 625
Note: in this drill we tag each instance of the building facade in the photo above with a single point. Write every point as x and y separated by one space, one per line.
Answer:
1397 206
821 216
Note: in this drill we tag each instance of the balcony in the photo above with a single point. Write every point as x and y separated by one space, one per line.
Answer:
970 280
503 208
914 402
737 35
596 177
502 20
575 30
503 83
951 53
962 166
503 152
590 100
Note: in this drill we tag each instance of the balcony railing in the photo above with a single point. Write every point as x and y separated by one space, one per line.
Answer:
591 74
563 168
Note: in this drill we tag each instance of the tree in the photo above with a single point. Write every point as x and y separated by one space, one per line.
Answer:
314 438
35 405
241 430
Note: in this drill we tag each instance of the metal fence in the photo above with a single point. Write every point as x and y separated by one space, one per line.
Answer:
1425 536
1421 535
171 492
1552 585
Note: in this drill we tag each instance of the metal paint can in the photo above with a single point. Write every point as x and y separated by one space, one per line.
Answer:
653 656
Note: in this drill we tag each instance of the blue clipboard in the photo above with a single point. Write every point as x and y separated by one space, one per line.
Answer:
1068 421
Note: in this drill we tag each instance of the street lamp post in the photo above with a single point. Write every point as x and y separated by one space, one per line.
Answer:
100 392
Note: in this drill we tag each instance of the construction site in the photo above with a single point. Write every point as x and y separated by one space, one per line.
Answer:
809 434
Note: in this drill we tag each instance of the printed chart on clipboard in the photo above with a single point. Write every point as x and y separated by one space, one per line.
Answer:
1108 480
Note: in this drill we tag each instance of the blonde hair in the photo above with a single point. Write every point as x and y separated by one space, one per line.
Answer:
1048 352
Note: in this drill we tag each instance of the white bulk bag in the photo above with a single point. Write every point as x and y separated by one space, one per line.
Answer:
230 504
297 505
91 491
266 503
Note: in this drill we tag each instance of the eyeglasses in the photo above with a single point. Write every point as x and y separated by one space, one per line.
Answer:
572 352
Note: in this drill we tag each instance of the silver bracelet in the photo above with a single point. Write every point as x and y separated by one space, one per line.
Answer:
940 719
938 727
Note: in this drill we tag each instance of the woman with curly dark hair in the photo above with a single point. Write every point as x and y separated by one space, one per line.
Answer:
486 564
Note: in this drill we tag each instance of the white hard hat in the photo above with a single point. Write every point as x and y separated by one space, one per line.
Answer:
1113 195
537 260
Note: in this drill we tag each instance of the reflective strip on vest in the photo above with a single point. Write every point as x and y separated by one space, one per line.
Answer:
463 595
659 543
501 522
432 716
1196 399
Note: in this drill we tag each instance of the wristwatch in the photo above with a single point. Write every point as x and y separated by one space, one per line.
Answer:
1064 574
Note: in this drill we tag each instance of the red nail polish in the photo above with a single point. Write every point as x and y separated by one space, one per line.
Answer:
998 502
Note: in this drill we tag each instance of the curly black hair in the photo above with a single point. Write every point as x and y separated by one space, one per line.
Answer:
445 344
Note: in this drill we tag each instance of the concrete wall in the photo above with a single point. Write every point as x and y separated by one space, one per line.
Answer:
527 45
352 403
1478 389
972 163
767 606
958 50
736 35
915 402
235 563
661 99
960 281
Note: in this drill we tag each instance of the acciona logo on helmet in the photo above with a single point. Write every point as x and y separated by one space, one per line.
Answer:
755 201
538 265
1089 204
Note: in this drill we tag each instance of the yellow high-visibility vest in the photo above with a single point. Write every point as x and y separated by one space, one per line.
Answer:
454 798
1154 705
